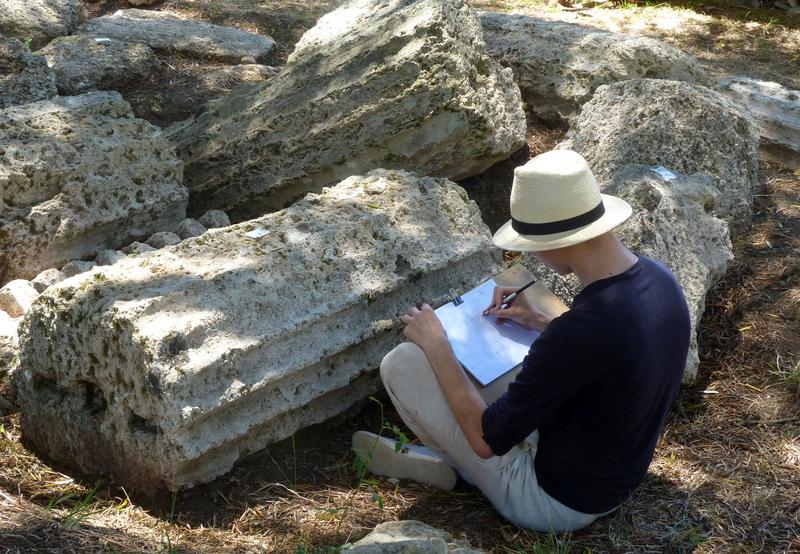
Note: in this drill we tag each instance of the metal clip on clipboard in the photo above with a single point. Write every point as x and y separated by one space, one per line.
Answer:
454 298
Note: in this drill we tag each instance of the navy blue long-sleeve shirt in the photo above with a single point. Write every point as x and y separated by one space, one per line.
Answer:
598 384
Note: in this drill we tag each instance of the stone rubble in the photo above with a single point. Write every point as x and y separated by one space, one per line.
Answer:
175 364
409 537
78 175
168 32
682 126
403 84
84 63
24 77
17 296
214 219
672 222
109 257
558 65
76 267
776 110
47 279
189 228
162 239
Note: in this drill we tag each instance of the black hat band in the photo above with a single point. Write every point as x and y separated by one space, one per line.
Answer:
561 225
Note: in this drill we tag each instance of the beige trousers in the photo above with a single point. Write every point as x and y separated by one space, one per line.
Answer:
508 481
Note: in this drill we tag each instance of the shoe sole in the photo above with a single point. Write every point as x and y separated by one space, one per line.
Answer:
381 459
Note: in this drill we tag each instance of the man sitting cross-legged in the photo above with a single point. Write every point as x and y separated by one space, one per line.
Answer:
574 433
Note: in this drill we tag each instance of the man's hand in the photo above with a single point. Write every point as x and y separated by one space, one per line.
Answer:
424 328
520 310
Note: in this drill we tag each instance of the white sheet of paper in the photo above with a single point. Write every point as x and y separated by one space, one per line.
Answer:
487 349
665 173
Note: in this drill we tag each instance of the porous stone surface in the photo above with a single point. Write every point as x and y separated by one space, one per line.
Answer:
170 367
213 219
410 537
164 31
559 65
8 348
137 248
80 174
162 239
24 77
17 296
39 20
85 63
403 84
47 278
776 110
682 126
141 2
190 228
77 267
109 257
672 222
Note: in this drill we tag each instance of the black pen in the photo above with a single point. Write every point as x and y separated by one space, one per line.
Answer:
510 298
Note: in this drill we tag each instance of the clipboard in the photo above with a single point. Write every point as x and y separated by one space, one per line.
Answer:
478 342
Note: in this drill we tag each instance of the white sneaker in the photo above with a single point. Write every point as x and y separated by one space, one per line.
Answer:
417 463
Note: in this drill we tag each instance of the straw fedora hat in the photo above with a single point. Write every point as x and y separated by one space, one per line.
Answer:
556 202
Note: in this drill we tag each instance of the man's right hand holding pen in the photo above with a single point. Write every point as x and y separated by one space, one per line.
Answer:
519 309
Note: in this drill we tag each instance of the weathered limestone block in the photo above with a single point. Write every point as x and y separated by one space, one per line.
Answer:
39 20
403 84
80 174
776 110
83 63
17 296
24 77
165 369
672 222
165 31
559 65
410 537
684 127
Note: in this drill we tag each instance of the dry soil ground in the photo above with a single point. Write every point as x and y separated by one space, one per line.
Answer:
726 475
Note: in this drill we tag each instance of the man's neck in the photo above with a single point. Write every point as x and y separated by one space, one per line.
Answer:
600 258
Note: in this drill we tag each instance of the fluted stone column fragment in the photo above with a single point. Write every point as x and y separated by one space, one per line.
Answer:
165 369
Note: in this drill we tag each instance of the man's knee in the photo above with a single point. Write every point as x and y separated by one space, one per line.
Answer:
403 360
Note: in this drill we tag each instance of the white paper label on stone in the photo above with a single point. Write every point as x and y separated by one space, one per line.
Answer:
665 173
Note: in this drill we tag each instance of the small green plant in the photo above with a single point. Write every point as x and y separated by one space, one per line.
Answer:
551 543
27 42
79 511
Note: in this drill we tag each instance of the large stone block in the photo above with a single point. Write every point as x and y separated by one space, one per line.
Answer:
672 222
167 32
402 84
776 110
83 63
165 369
684 127
39 21
559 65
78 175
24 77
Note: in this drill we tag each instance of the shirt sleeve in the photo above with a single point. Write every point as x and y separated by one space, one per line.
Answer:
565 359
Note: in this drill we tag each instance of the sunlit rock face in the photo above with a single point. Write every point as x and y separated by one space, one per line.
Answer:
672 222
776 110
559 65
165 369
400 84
684 127
78 175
